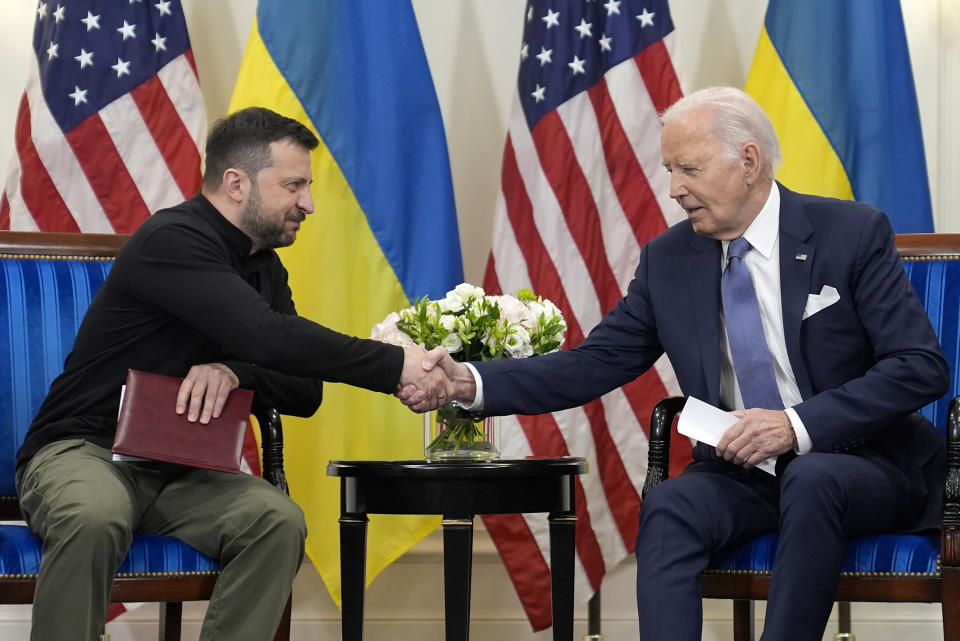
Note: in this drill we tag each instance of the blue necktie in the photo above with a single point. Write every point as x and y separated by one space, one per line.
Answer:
748 345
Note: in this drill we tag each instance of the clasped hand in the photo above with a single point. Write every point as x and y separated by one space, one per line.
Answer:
423 387
453 379
758 435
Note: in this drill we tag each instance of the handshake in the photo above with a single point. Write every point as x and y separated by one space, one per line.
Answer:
431 379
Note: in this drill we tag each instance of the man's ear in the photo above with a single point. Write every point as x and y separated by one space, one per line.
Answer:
750 159
236 184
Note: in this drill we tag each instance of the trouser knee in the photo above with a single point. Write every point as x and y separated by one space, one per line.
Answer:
91 531
280 520
808 484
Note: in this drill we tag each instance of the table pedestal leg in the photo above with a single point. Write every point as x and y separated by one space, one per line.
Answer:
563 530
353 573
457 562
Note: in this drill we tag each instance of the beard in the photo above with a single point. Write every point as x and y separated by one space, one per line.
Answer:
262 230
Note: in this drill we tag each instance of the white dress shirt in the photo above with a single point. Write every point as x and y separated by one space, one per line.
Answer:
763 260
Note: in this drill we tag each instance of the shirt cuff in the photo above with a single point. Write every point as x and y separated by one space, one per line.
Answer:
477 403
804 444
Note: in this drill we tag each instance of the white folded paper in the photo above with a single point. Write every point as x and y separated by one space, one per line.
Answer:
707 424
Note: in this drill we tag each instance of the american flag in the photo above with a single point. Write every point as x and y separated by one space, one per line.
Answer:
109 126
582 189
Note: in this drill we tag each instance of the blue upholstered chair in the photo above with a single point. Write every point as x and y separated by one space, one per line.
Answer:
46 283
885 567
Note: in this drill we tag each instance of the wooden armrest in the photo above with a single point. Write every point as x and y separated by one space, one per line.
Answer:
950 529
271 441
661 425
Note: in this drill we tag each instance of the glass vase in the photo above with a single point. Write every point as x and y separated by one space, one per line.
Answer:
451 434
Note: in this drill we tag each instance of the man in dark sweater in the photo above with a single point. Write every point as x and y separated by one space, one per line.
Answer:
197 292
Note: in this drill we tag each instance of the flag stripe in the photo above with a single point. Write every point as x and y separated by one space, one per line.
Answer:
169 134
50 211
107 174
577 438
641 124
622 498
581 122
4 211
136 146
544 436
559 163
179 78
631 184
658 75
543 273
515 544
567 278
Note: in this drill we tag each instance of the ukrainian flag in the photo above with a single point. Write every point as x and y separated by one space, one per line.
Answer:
383 234
835 78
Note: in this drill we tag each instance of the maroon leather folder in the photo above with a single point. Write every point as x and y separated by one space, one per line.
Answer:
149 427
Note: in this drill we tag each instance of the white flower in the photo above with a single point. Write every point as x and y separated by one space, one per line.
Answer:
452 343
517 343
447 321
452 303
511 308
550 310
388 326
468 292
532 317
387 332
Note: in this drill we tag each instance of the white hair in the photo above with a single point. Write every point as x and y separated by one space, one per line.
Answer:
738 119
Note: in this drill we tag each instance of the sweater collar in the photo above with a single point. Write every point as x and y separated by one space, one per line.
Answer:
237 241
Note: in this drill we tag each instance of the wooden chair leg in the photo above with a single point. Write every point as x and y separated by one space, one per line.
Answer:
950 603
743 620
843 619
171 615
283 630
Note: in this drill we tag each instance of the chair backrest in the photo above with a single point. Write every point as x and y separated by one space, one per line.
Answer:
932 263
47 281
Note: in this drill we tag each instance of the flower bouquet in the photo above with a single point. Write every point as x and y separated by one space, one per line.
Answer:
473 326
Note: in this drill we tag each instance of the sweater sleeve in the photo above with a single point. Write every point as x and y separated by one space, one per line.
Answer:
187 274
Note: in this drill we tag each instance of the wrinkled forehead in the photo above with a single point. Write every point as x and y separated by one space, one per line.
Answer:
685 140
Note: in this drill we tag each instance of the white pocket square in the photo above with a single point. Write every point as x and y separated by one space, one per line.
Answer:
817 302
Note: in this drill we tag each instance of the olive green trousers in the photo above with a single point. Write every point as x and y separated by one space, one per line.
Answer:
86 507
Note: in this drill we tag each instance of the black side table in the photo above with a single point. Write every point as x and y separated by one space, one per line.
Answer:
458 491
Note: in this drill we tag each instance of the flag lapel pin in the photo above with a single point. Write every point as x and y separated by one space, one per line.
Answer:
800 257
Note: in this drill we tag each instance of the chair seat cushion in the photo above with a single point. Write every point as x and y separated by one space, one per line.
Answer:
149 554
878 555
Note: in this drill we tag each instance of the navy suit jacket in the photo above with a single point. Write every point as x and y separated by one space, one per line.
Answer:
864 365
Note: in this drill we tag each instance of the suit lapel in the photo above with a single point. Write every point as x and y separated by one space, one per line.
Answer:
796 265
703 277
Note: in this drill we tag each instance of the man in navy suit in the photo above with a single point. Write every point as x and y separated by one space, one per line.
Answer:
845 340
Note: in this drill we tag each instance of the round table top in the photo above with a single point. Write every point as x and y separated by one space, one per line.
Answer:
460 469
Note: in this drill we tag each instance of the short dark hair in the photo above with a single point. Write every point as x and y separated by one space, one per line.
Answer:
242 140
